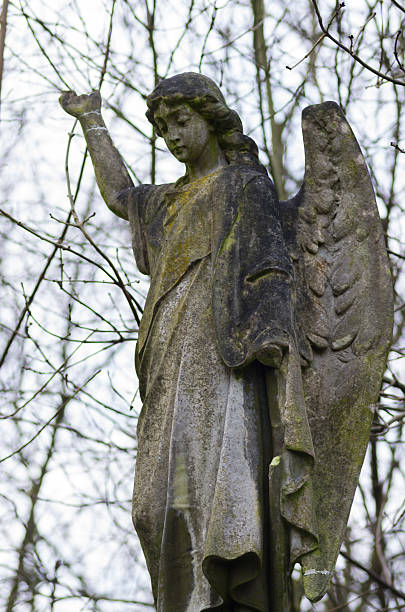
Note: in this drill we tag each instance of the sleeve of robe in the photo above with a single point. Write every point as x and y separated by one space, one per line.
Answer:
135 198
145 216
253 305
253 280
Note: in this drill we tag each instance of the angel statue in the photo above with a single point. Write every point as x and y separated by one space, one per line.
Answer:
260 351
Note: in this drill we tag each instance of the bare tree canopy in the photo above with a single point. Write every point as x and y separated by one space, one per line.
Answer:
72 296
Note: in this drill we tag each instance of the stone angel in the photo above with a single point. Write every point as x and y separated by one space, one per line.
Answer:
260 351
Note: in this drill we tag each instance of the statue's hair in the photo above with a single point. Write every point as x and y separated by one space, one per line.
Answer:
203 96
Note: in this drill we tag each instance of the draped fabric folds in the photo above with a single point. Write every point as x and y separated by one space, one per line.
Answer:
221 290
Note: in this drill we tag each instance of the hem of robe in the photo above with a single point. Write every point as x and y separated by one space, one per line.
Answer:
296 499
231 577
296 462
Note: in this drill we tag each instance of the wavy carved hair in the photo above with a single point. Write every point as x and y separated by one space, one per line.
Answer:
203 95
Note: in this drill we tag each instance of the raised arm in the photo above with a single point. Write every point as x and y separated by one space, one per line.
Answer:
112 175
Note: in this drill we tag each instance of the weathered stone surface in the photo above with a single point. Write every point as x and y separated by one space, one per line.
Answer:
260 352
344 310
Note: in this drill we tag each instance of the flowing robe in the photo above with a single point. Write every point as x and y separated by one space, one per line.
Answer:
221 289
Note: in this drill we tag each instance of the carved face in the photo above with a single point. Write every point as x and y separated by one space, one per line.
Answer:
188 136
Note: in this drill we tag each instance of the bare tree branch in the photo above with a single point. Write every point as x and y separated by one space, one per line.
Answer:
373 575
350 51
3 27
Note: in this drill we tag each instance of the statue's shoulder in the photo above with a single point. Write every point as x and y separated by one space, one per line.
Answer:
141 194
241 174
145 190
145 200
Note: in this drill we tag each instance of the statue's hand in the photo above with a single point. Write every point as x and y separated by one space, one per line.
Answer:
271 356
78 105
271 353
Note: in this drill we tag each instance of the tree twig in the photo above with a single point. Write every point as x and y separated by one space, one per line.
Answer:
107 47
401 8
373 575
43 51
320 39
3 27
18 450
350 51
44 269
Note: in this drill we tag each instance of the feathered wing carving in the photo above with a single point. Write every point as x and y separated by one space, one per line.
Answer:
344 319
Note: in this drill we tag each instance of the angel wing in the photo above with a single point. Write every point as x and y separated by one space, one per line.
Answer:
344 319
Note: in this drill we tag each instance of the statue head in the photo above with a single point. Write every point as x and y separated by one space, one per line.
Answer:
205 97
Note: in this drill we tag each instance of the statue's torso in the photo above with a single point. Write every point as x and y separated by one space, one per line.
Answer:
177 230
